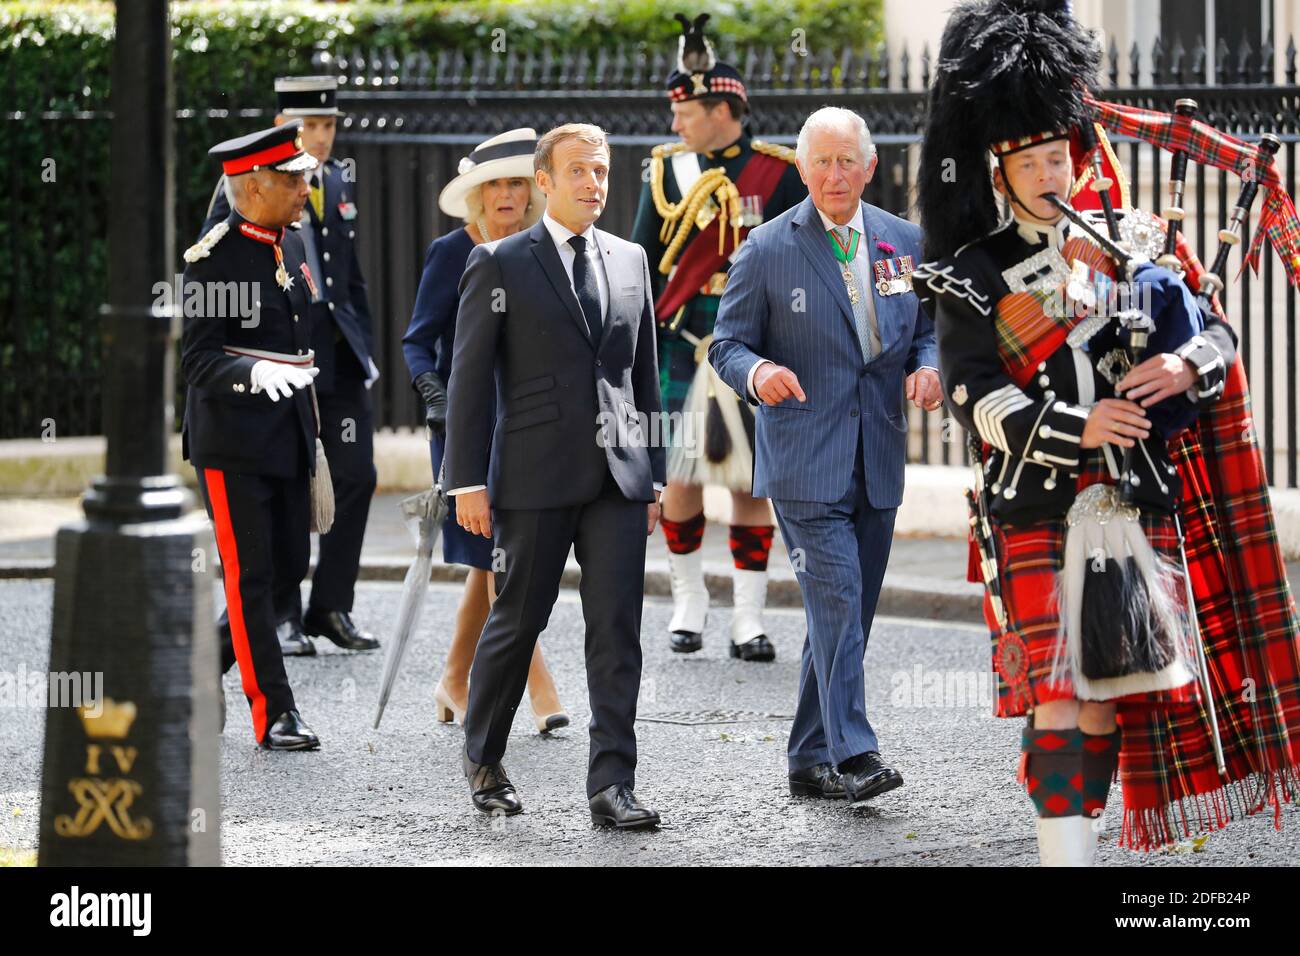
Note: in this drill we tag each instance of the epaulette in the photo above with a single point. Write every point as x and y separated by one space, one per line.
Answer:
667 149
772 149
204 246
941 281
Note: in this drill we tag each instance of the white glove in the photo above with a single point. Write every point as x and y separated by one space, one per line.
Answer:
277 378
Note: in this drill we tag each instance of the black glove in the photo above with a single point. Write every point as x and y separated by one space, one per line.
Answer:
434 395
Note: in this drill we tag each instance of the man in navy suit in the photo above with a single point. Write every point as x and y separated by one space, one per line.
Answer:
557 322
820 328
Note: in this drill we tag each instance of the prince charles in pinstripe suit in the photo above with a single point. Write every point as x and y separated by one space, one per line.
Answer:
819 327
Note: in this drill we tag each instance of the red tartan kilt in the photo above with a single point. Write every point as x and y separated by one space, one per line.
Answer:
1029 559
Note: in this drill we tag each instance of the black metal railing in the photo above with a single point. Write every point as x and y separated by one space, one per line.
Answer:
410 120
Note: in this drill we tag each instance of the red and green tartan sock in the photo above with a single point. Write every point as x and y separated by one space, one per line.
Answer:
1053 770
684 536
1100 758
750 546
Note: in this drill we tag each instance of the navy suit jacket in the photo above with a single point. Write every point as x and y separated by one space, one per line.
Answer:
568 410
786 301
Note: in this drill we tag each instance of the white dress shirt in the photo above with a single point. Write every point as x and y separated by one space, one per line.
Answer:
595 261
828 224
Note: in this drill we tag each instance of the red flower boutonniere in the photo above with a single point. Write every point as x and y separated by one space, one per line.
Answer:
884 248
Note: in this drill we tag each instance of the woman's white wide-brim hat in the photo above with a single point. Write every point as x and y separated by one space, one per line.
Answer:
506 156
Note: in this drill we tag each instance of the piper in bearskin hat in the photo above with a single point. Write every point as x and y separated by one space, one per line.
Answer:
1120 515
704 195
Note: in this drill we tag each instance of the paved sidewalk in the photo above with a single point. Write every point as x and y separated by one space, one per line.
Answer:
926 576
395 796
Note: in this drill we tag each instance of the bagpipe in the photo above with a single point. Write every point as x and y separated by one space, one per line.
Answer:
1186 137
1155 650
1155 637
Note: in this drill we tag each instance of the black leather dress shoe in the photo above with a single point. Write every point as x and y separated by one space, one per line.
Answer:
685 642
822 780
617 806
757 649
289 732
490 788
293 642
337 626
866 776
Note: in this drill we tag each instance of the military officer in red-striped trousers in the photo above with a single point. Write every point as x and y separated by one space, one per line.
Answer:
342 336
250 416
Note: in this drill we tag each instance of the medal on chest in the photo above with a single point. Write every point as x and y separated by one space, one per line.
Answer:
844 254
751 211
311 282
893 275
282 277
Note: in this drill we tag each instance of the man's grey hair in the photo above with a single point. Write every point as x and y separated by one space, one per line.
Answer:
838 119
235 187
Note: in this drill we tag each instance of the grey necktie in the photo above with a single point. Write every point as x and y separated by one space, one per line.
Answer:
864 310
308 236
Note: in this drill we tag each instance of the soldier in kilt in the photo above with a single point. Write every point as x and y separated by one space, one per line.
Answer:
1122 515
704 195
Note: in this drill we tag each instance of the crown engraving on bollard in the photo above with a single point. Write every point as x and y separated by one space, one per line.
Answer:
114 722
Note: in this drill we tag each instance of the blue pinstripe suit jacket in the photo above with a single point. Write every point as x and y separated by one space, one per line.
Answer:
786 301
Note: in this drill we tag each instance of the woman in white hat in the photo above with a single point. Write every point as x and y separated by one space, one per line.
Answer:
495 194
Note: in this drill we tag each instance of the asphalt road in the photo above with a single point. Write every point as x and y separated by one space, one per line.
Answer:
396 796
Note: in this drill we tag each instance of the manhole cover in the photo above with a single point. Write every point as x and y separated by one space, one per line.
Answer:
695 717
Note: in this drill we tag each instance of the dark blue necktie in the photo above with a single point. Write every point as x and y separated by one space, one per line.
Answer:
584 284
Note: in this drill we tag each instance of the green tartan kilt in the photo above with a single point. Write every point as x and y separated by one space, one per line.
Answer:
677 355
677 371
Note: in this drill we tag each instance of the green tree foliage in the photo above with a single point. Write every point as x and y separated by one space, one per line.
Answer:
55 60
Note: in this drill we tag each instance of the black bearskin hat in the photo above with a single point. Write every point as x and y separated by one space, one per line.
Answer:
1007 70
699 72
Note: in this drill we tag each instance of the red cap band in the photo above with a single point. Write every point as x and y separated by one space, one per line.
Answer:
1002 147
273 154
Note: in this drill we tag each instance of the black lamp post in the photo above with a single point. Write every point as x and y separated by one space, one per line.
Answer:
132 778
